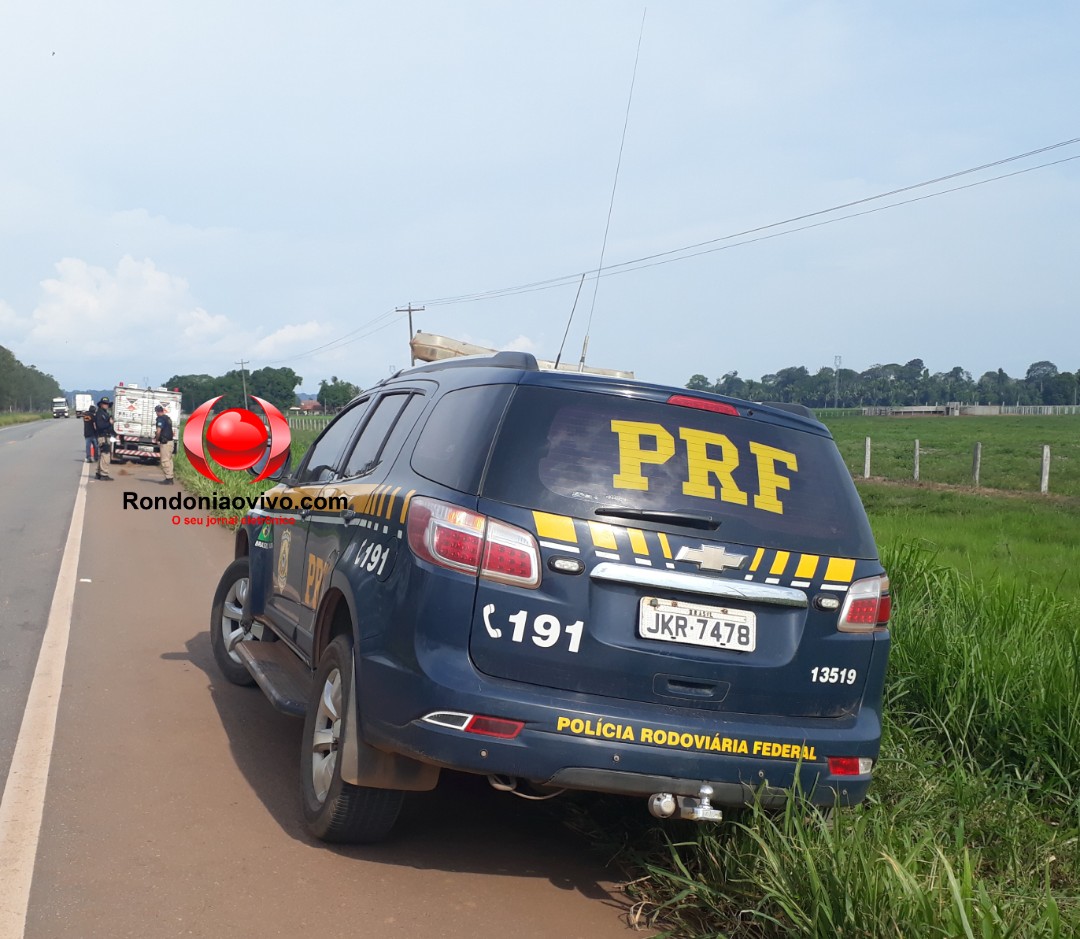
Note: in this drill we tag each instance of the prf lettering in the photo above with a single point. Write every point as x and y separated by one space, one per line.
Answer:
711 461
316 571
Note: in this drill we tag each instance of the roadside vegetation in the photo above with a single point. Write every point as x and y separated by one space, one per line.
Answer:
234 484
11 417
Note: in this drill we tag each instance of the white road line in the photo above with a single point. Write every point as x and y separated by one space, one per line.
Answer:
24 794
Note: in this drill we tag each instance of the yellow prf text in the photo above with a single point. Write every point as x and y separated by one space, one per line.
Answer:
711 460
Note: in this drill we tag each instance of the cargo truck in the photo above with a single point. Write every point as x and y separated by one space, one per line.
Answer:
133 418
60 407
82 403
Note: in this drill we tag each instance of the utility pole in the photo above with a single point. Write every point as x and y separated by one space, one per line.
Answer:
243 378
836 375
410 309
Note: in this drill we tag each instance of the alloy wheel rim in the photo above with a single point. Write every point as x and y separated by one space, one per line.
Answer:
326 736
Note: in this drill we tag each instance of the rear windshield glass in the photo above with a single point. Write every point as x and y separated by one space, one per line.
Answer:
767 485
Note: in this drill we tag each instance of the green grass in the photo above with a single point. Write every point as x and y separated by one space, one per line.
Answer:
10 417
234 484
1024 539
1011 449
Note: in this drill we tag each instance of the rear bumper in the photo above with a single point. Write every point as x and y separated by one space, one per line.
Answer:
586 742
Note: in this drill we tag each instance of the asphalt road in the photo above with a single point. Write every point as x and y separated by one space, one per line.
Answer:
40 465
172 804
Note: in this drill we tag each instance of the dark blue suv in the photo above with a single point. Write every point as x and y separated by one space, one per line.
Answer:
562 581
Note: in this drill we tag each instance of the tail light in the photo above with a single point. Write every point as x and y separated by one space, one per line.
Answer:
850 765
867 606
453 537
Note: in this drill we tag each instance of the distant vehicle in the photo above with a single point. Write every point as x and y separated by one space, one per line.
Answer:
133 418
562 582
60 407
82 403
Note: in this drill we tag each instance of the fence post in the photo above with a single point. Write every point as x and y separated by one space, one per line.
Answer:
1044 484
916 459
976 464
866 461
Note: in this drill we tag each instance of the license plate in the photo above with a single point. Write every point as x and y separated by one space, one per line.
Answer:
694 624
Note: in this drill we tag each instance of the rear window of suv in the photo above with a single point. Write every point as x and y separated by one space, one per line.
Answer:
769 485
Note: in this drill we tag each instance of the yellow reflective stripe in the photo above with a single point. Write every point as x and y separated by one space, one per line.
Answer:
556 527
840 570
382 498
779 562
757 559
664 546
390 504
637 541
603 536
405 504
807 565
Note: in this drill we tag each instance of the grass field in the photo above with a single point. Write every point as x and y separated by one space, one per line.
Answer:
1011 451
7 418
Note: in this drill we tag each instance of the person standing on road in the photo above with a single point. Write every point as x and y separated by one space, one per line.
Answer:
163 437
103 427
89 433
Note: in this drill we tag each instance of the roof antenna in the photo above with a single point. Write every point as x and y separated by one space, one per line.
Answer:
566 332
611 204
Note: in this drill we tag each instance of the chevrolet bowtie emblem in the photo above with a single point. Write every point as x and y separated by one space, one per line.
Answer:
710 558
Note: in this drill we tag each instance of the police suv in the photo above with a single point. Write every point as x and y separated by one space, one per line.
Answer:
562 582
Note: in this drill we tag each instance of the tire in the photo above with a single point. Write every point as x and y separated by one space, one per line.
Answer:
225 617
334 810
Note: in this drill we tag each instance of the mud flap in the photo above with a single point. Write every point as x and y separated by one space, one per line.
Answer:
363 765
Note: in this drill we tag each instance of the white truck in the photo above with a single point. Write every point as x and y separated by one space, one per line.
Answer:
60 407
82 403
133 418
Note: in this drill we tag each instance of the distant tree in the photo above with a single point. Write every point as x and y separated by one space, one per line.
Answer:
276 385
699 383
731 384
335 394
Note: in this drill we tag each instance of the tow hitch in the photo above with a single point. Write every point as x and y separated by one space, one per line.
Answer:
693 808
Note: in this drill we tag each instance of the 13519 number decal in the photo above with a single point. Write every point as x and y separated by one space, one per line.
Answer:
833 676
545 630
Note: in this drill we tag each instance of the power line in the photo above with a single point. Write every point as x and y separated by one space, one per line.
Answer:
679 253
709 246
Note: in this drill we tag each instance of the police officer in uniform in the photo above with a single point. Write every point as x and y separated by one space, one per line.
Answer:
89 432
163 437
103 426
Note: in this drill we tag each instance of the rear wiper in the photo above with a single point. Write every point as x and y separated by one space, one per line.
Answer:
702 520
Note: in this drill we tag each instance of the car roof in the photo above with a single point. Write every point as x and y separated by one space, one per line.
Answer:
522 368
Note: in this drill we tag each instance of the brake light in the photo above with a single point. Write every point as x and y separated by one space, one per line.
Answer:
867 606
465 541
703 404
493 727
850 765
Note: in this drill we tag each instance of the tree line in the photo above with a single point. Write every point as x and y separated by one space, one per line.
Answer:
23 387
276 385
895 385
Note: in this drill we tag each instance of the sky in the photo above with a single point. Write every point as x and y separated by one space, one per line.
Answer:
185 186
